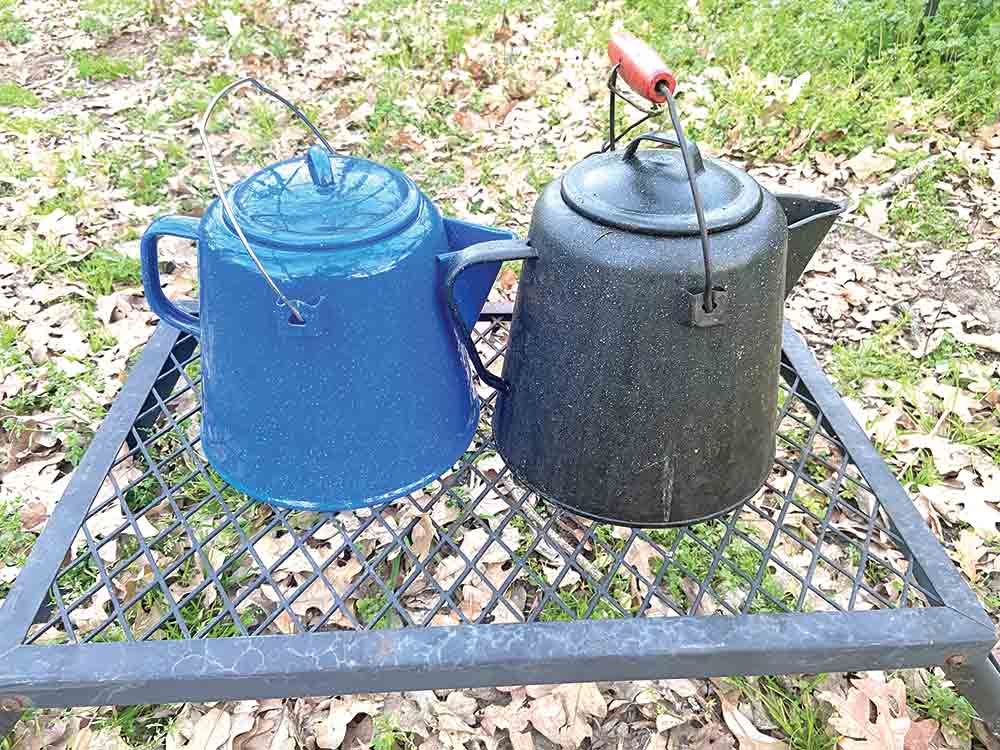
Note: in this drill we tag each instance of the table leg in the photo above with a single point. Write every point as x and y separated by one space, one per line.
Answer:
979 682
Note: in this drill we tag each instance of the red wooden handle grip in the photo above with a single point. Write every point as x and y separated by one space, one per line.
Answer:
640 66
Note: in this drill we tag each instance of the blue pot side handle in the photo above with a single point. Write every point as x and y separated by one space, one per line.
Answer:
185 227
451 266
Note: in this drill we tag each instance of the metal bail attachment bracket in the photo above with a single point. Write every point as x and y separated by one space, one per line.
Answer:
699 317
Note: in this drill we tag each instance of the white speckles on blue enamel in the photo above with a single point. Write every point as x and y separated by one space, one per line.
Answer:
371 398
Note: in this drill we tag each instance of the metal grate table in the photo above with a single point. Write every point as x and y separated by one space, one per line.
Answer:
154 581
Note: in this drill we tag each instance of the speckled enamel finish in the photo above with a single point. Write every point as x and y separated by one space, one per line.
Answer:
617 407
372 397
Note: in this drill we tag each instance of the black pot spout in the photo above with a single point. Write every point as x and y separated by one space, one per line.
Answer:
809 220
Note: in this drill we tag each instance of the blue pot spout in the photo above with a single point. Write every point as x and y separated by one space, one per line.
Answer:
809 219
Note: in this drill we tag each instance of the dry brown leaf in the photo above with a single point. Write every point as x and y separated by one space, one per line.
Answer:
640 555
34 516
422 536
949 457
749 737
548 716
873 716
920 735
956 400
271 548
969 549
825 162
212 731
476 539
511 717
883 428
867 163
968 502
990 342
877 213
332 730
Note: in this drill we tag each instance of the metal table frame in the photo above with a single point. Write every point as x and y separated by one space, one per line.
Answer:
954 631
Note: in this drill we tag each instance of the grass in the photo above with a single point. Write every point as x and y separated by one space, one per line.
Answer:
742 561
942 704
920 211
15 543
580 602
12 28
368 607
104 270
107 18
882 357
139 726
871 66
71 416
44 259
386 734
12 95
143 177
92 66
795 712
256 35
24 125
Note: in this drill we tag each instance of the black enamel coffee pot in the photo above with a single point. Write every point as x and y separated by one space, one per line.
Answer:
640 380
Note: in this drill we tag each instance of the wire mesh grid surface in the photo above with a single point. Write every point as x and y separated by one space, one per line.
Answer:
168 552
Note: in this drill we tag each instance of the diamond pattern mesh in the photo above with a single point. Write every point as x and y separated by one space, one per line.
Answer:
170 551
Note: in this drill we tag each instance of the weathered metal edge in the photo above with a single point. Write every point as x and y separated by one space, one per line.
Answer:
28 592
933 563
337 663
327 663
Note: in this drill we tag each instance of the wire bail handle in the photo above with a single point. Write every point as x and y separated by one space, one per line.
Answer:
221 191
647 75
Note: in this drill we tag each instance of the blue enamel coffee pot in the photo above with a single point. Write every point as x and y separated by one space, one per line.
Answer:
333 375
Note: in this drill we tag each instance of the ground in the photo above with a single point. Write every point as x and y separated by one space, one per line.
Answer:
482 104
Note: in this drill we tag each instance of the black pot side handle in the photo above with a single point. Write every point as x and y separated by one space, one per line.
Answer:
452 265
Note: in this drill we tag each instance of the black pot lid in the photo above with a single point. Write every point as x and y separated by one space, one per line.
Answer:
649 192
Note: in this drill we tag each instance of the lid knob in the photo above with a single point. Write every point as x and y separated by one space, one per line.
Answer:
320 168
669 140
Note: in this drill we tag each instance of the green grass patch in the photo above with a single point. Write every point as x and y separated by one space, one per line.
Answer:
44 258
12 28
93 66
881 356
12 95
25 125
580 601
878 357
194 96
139 726
920 211
15 544
942 704
871 65
55 392
142 176
105 270
386 734
107 18
794 711
742 563
97 335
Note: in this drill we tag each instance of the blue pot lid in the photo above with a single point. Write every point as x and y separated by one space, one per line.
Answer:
324 201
